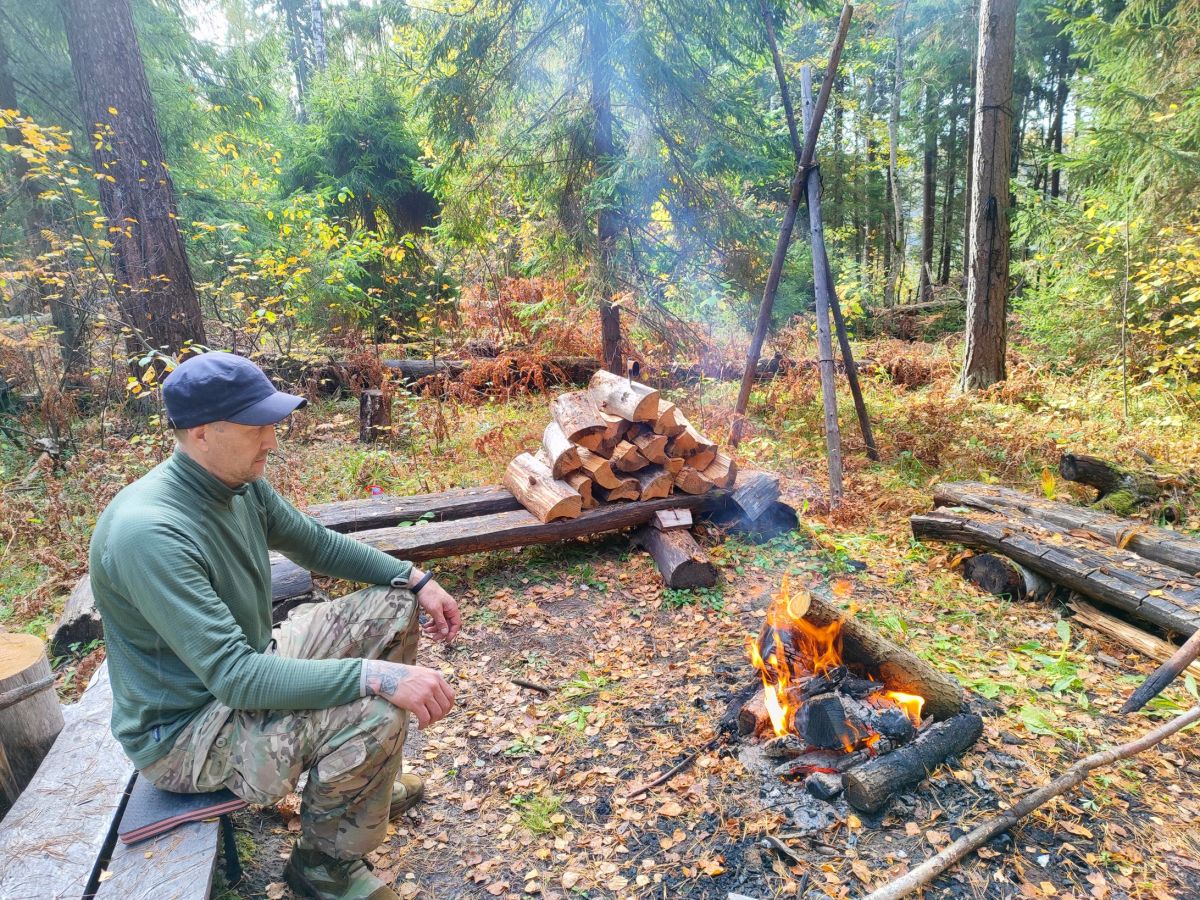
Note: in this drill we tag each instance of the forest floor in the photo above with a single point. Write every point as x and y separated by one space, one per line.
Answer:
527 794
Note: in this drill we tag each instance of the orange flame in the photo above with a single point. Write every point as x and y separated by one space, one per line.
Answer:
794 646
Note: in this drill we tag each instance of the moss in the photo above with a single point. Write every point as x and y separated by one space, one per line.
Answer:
1123 503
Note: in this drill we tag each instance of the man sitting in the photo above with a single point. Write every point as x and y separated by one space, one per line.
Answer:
205 695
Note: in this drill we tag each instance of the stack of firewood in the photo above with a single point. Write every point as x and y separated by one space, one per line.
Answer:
617 440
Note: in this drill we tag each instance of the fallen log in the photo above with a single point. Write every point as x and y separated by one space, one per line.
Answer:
917 878
532 483
1110 479
555 371
680 560
1125 634
1003 578
869 786
1159 544
1143 589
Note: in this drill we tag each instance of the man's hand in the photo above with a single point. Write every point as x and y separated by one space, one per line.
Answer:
446 620
421 691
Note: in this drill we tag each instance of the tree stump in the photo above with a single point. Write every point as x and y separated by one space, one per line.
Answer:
30 717
374 415
681 561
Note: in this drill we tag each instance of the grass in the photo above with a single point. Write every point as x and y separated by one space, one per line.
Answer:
540 813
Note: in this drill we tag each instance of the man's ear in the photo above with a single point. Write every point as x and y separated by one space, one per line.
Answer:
198 436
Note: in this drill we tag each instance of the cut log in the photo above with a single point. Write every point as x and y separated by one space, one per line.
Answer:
669 421
650 445
869 786
599 469
1158 544
692 481
623 397
1001 577
671 519
435 540
1145 590
701 459
535 486
58 828
899 669
583 485
722 471
30 717
1125 634
673 465
374 416
614 428
384 511
654 482
753 718
1108 479
560 452
626 489
579 418
627 458
680 560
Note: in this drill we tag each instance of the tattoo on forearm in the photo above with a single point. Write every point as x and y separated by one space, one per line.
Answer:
387 676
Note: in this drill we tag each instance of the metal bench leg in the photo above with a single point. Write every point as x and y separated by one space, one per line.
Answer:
233 865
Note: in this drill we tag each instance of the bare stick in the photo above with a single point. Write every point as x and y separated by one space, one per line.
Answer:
531 685
671 772
978 836
785 232
1164 674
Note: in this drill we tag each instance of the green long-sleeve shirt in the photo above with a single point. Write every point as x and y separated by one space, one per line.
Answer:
180 573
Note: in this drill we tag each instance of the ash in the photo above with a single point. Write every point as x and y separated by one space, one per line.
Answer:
808 815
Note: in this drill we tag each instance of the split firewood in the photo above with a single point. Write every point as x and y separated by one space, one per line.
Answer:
692 481
669 421
534 485
627 489
654 482
614 427
599 469
650 445
915 879
624 397
627 458
702 458
560 452
583 484
579 418
722 471
673 464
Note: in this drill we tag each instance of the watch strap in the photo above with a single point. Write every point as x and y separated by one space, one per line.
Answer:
425 579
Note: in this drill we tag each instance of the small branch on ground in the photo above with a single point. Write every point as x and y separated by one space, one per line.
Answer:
981 834
532 686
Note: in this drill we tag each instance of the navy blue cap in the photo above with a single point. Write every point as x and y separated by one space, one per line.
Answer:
224 387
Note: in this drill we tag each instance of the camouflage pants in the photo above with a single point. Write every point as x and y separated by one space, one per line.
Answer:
351 752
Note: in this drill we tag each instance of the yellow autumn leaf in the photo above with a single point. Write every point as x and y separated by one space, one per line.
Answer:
112 110
1048 483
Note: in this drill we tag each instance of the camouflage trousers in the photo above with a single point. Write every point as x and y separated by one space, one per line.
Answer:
351 752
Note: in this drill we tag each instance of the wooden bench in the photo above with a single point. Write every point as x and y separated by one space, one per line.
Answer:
60 838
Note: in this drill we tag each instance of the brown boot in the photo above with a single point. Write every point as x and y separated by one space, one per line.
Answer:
407 792
313 874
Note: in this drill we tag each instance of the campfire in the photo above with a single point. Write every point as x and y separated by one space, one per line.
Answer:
843 709
811 693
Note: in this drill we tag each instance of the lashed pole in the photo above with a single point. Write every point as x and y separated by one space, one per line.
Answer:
823 289
785 230
860 406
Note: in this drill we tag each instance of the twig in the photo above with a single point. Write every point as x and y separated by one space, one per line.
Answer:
978 836
672 772
782 849
531 685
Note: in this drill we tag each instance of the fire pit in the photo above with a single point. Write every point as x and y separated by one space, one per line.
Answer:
842 709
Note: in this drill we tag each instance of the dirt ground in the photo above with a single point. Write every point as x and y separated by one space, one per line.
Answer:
528 794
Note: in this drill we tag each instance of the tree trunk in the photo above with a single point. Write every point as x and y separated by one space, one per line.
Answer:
317 21
969 185
152 279
603 152
948 197
297 51
928 196
987 276
1060 105
895 264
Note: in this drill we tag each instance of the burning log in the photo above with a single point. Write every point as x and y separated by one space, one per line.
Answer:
624 397
532 482
870 785
753 718
579 418
560 452
680 560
